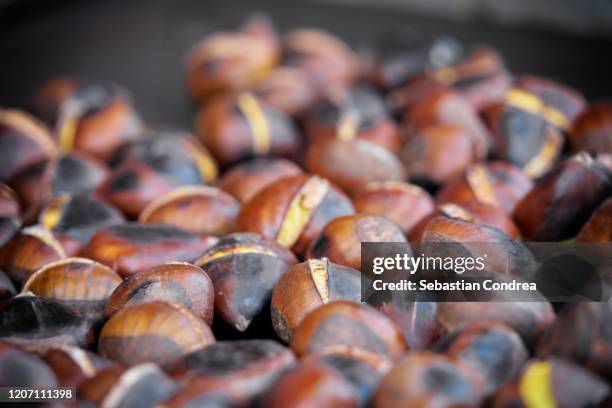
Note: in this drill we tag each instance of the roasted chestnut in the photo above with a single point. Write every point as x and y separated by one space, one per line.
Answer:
157 332
293 210
311 384
21 369
73 365
353 164
240 370
287 89
238 127
198 209
306 286
342 324
244 269
9 214
426 379
599 226
131 248
415 319
496 183
559 204
76 174
246 179
33 189
177 282
233 60
566 100
592 130
341 239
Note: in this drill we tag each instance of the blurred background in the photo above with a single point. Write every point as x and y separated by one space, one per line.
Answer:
141 44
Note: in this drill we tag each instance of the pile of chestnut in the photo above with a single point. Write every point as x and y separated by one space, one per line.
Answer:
221 267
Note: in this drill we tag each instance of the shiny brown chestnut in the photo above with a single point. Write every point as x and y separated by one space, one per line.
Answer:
341 239
495 183
559 204
287 89
92 118
232 60
198 209
246 179
357 113
73 365
176 282
157 332
238 127
561 97
80 284
599 226
38 324
27 251
293 210
131 248
342 324
352 164
9 213
553 382
244 269
437 153
311 384
240 370
327 61
592 129
494 351
426 379
306 286
21 369
404 204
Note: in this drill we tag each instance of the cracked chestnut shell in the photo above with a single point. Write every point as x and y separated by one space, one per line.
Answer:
131 248
599 226
176 282
561 203
244 269
157 332
246 179
293 210
306 286
592 129
341 239
197 209
342 324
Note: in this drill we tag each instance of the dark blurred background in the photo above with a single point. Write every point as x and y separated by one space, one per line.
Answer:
141 44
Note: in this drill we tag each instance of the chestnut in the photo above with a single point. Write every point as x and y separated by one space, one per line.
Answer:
341 239
92 118
555 383
9 214
592 129
115 386
415 234
559 204
244 269
131 248
494 351
27 251
327 61
80 284
495 183
157 332
238 127
598 228
232 60
306 286
352 164
176 282
566 100
38 324
437 153
287 89
343 324
21 369
311 384
24 141
197 209
293 210
73 365
76 174
240 370
404 204
7 289
423 378
33 189
416 320
246 179
357 113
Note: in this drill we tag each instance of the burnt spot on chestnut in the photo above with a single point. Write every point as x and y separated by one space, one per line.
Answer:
592 129
177 282
293 210
244 269
157 332
306 286
21 369
76 174
416 320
